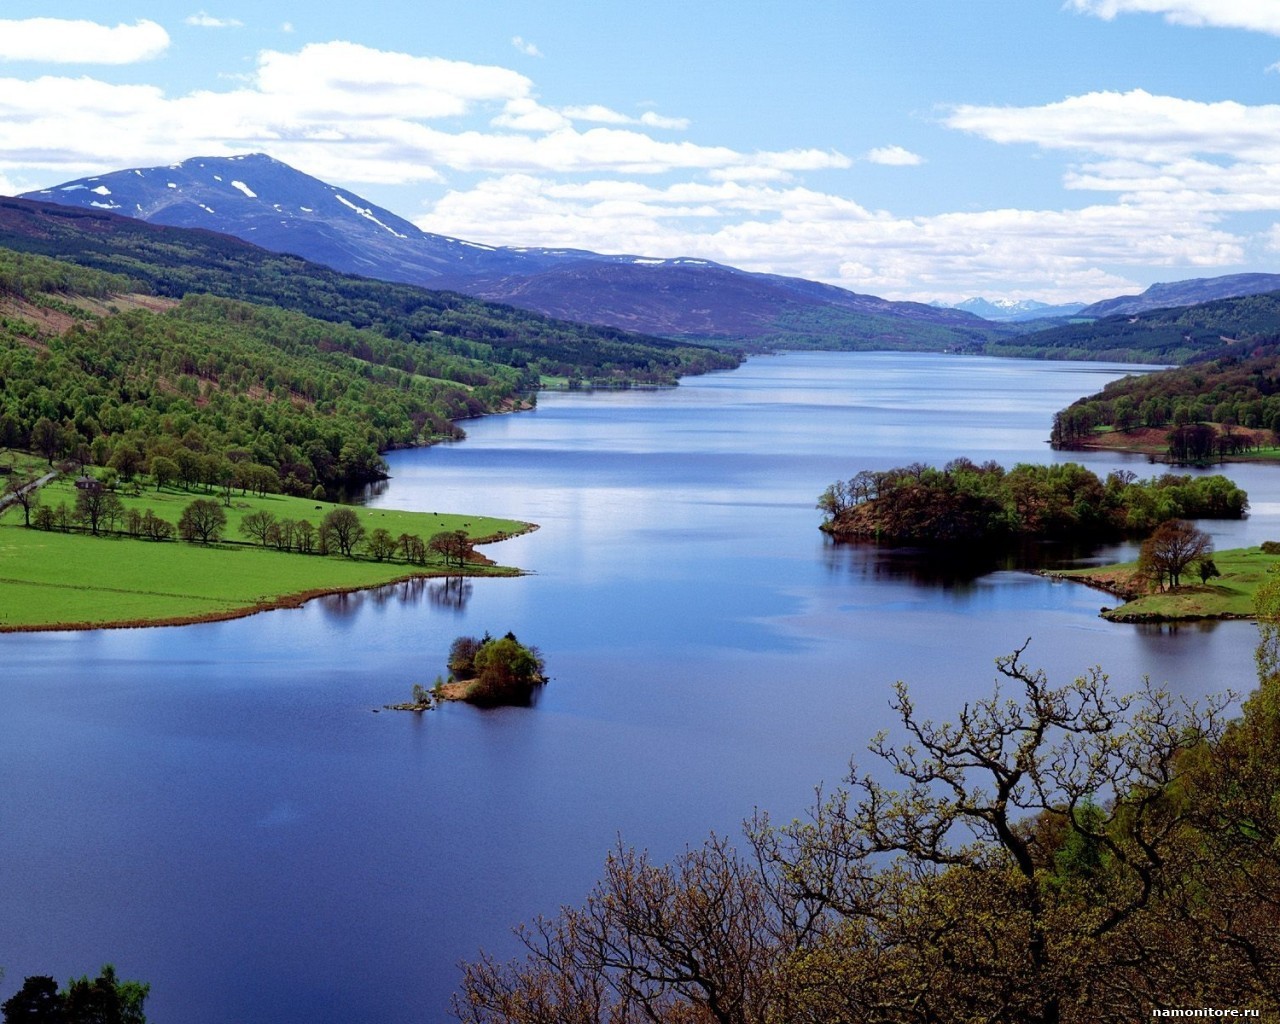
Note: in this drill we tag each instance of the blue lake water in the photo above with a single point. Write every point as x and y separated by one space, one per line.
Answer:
218 810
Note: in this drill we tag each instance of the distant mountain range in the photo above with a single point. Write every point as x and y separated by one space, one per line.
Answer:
261 200
1185 293
1017 310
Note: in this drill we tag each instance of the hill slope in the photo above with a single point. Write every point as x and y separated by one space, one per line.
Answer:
1185 293
172 262
261 200
1158 336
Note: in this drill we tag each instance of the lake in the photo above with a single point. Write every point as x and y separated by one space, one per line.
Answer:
218 809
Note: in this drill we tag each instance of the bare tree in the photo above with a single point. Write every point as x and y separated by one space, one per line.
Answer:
1175 544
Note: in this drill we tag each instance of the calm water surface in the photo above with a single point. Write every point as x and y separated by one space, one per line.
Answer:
218 810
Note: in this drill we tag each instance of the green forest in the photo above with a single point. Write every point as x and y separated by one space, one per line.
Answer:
1176 335
1239 389
965 501
173 262
223 387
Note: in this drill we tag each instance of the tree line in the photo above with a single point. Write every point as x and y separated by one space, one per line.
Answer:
965 501
99 511
1212 408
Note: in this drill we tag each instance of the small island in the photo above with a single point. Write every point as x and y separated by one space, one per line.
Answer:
484 671
968 503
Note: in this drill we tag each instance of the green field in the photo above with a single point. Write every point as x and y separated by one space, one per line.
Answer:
50 579
1229 596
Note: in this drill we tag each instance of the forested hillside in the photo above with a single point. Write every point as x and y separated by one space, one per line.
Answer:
1239 389
173 262
1161 336
221 389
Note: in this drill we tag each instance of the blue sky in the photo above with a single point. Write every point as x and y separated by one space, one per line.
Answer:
923 149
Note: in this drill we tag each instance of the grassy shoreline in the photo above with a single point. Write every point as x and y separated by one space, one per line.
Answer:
51 580
1229 596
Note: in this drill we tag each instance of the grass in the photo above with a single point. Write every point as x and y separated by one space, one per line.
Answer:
22 464
54 580
1229 596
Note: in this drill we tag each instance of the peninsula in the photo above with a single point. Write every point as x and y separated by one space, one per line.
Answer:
72 575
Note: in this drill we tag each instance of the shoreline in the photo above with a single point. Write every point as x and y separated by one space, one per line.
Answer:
1227 597
296 600
482 569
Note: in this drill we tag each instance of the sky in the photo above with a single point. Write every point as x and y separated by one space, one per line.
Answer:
935 150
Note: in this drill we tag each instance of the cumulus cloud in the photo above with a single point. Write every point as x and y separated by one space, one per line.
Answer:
517 171
524 46
894 156
205 20
1055 255
344 110
1153 151
1254 15
1135 124
64 41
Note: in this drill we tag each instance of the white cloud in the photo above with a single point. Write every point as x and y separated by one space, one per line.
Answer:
1056 255
1135 124
598 114
63 41
654 120
1254 15
524 46
894 156
205 20
348 112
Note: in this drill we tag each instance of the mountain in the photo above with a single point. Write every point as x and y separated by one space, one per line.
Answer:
1017 310
174 262
264 201
272 205
1177 334
1185 293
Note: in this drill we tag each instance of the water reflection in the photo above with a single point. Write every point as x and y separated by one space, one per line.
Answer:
450 594
954 569
445 593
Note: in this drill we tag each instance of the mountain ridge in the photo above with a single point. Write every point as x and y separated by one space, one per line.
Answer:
259 199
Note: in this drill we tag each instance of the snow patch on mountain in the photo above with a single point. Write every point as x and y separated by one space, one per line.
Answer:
245 189
366 213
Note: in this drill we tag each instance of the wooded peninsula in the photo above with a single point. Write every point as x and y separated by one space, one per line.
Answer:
965 501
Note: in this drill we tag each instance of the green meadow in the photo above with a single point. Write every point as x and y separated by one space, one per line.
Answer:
50 579
1230 595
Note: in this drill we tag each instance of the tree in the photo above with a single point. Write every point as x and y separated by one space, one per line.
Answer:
1174 545
995 883
506 672
453 546
258 525
1207 570
46 438
304 534
163 470
153 527
95 505
381 544
104 1000
342 527
37 1002
203 520
26 495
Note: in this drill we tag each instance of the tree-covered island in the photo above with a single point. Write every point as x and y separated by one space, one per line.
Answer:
968 502
485 671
